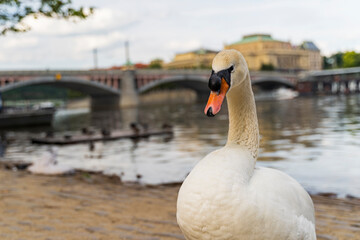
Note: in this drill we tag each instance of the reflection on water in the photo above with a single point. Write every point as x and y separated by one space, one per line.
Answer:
315 140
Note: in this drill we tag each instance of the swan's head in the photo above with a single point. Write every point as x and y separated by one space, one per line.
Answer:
229 71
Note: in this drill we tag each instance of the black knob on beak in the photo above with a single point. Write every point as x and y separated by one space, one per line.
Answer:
214 82
209 112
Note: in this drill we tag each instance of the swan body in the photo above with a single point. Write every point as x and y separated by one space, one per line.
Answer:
226 197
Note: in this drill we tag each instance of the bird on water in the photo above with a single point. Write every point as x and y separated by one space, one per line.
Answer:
226 196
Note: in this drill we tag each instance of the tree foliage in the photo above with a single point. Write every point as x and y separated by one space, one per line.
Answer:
156 63
334 61
267 67
327 62
342 60
351 59
13 12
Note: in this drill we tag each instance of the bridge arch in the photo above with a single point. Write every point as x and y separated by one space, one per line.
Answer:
197 83
101 95
270 83
200 83
94 89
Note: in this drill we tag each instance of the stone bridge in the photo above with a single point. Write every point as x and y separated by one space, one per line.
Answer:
116 87
335 81
197 80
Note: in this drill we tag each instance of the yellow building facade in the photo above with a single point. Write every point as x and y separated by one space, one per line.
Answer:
262 49
201 58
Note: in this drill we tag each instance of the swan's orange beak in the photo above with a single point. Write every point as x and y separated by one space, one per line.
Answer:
216 99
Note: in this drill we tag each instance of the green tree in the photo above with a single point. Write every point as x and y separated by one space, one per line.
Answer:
338 59
351 59
13 12
334 61
156 63
267 67
327 62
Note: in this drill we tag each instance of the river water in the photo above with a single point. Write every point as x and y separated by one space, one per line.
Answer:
316 140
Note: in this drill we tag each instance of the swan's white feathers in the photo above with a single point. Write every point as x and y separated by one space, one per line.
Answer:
227 58
225 197
216 202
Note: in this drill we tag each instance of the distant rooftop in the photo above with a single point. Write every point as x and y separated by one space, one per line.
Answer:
308 45
255 38
200 51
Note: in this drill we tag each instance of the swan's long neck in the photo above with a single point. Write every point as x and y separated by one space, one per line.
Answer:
243 123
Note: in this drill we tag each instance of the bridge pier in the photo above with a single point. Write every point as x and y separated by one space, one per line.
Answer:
129 96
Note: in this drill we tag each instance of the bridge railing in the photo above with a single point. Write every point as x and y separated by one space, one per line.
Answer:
62 72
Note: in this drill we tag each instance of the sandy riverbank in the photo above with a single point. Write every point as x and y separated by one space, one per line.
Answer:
86 206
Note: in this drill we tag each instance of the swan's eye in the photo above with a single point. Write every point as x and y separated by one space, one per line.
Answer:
231 69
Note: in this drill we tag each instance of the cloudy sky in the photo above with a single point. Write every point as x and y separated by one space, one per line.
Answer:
161 28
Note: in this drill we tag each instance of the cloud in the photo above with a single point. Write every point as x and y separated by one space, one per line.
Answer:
179 46
103 19
88 42
56 44
18 43
165 27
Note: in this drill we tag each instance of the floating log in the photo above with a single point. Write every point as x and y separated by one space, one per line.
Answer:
99 137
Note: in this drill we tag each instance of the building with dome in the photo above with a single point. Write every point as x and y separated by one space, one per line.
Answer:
262 52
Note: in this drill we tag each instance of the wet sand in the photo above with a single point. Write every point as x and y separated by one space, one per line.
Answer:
91 206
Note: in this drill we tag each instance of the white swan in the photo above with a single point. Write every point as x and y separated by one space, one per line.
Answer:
47 165
226 196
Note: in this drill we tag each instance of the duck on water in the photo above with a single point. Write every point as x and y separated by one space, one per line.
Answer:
226 196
